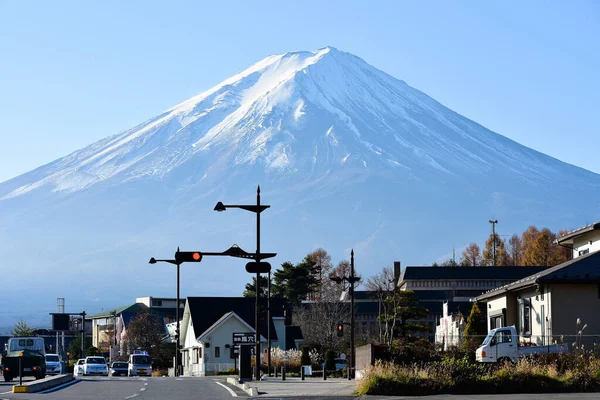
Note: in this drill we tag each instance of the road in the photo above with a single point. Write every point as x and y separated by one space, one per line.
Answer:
124 388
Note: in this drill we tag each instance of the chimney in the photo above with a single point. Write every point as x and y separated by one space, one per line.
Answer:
396 273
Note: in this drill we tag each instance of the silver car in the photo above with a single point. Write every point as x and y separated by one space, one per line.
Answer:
54 365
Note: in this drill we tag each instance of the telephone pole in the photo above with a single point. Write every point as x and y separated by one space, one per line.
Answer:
494 222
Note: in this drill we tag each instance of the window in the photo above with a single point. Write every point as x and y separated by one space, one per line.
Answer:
496 322
503 337
156 303
217 352
583 252
197 355
525 317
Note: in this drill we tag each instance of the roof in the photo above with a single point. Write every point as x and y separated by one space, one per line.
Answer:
568 238
131 308
292 333
584 269
467 273
206 311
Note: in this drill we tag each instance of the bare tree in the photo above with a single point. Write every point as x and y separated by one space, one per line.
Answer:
515 249
322 270
382 284
318 321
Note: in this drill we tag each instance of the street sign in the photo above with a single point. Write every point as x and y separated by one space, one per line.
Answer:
258 267
243 338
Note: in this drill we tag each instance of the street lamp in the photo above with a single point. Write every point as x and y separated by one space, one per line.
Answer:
494 222
178 263
258 256
351 279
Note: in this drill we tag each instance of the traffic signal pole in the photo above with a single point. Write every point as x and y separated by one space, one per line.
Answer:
257 316
352 280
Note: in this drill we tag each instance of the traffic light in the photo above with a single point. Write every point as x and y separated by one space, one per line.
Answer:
340 329
188 256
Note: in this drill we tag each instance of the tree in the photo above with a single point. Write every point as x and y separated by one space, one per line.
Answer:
402 310
475 329
321 272
294 282
515 249
21 329
471 257
146 331
382 284
318 322
502 257
564 254
250 288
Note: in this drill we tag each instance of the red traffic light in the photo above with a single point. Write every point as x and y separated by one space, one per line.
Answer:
340 330
188 256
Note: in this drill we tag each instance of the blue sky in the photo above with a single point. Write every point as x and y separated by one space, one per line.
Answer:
74 72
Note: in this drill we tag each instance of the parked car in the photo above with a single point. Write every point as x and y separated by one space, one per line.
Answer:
119 368
78 367
95 365
502 344
54 365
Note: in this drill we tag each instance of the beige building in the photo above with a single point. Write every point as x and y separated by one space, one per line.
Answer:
557 305
583 241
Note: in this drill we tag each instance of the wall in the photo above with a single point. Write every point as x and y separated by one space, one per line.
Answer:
572 301
583 243
221 336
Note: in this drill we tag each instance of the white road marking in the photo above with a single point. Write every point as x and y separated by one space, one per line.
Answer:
146 384
228 389
132 396
142 389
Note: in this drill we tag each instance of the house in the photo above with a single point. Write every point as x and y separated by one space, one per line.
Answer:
558 304
455 286
108 328
583 240
208 326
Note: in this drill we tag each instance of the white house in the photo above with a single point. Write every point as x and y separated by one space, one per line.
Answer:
208 326
450 329
583 240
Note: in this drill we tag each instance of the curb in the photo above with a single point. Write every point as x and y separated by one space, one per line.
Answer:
251 391
42 384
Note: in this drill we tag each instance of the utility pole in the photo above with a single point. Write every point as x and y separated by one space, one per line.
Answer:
352 343
494 222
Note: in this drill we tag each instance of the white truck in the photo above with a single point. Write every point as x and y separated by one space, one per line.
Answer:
502 344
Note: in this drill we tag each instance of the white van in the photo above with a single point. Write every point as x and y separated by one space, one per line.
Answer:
139 365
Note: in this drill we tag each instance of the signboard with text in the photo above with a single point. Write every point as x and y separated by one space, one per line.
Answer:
243 338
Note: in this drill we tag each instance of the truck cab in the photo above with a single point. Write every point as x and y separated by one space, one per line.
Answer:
499 345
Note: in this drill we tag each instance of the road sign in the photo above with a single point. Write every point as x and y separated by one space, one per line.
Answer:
243 338
258 267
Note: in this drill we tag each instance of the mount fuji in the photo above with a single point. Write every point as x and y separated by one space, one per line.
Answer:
346 155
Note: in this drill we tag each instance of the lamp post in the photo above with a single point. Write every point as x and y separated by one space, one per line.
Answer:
494 222
351 279
257 209
178 263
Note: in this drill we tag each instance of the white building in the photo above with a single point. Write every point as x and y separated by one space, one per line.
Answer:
449 332
583 241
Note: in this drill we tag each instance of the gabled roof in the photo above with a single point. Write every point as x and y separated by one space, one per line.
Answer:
568 238
224 319
205 311
467 273
131 308
584 269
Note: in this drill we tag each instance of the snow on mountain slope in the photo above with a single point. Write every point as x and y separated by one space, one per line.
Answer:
300 114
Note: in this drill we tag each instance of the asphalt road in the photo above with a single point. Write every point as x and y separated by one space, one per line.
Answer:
125 388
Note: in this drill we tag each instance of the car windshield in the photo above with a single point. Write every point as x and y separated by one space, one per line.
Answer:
81 361
488 338
96 360
52 358
119 365
141 360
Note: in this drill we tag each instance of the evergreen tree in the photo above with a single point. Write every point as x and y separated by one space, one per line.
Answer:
294 282
250 288
475 330
22 329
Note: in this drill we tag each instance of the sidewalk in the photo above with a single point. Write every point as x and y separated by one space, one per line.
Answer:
275 387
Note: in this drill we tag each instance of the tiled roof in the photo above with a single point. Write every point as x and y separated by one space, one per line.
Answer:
584 269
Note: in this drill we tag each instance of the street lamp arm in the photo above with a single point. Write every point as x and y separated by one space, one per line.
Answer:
253 208
154 261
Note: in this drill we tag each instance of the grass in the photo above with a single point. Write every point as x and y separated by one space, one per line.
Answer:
566 373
